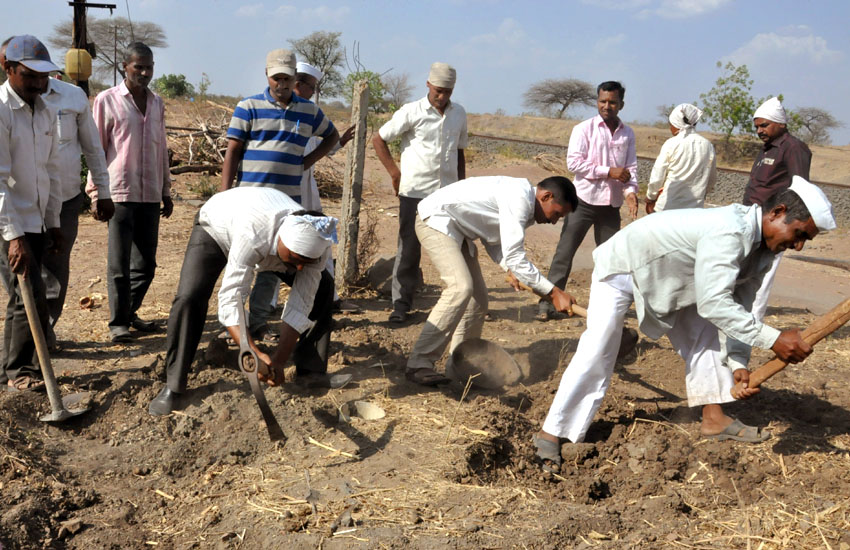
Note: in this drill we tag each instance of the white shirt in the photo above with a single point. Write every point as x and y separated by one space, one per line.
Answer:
712 258
495 209
429 145
77 135
244 221
685 170
309 188
29 166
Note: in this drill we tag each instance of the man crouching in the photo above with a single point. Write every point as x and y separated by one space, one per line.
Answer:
238 231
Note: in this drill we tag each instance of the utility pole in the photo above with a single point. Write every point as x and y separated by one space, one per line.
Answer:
78 39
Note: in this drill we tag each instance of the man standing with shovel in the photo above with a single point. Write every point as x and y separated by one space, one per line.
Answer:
29 199
692 275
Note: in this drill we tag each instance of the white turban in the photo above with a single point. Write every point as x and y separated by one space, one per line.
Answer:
308 236
815 200
771 109
442 75
685 116
306 68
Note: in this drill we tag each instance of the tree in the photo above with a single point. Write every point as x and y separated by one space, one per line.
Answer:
664 111
729 106
204 85
173 85
324 51
398 89
558 95
108 35
376 89
812 125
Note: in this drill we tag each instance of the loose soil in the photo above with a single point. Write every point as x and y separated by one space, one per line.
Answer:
444 468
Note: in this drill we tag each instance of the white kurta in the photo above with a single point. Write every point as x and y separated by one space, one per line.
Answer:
684 172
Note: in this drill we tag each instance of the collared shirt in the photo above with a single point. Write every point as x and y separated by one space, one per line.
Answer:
685 170
244 221
275 136
778 161
429 145
712 258
495 209
135 146
29 166
77 135
592 152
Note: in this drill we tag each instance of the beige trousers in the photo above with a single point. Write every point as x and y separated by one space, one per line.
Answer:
459 313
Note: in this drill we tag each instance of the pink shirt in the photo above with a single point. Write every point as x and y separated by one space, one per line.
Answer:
593 150
135 146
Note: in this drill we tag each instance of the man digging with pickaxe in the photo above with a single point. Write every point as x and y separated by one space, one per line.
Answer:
692 275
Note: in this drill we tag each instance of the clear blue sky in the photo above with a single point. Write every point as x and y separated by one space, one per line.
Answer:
664 51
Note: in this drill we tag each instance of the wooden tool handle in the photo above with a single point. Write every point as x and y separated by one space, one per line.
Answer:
577 309
822 327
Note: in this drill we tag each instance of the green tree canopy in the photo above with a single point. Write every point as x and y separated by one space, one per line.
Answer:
728 107
173 85
376 89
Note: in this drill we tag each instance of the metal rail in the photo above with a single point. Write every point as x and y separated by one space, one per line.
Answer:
843 186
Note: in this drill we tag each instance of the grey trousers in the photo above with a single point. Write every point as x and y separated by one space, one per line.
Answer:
406 275
19 357
55 268
131 264
605 221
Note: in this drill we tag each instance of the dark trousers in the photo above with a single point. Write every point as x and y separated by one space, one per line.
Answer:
203 263
605 221
133 238
55 268
406 275
19 357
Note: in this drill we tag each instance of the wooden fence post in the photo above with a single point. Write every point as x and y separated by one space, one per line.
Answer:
349 226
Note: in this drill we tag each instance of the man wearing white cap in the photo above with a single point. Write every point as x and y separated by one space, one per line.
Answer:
685 170
29 199
266 148
433 138
782 157
692 274
237 231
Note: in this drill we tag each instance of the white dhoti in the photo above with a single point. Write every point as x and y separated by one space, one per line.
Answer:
588 375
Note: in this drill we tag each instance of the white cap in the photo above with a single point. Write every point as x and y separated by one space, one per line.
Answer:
306 68
308 236
772 109
815 200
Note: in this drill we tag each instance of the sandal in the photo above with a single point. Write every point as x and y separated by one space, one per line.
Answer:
548 452
426 376
398 316
25 382
738 431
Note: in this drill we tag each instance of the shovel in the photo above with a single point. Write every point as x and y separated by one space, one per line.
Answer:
488 363
62 408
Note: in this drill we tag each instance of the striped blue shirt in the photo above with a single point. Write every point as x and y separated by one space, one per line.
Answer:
275 136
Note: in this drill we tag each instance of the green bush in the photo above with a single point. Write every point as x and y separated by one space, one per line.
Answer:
173 85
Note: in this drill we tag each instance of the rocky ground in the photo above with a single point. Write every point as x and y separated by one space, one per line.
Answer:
443 468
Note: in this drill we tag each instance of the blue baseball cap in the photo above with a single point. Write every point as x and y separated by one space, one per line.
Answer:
31 53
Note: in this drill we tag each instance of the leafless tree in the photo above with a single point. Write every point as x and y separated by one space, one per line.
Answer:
397 88
559 94
664 111
110 36
324 51
812 125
